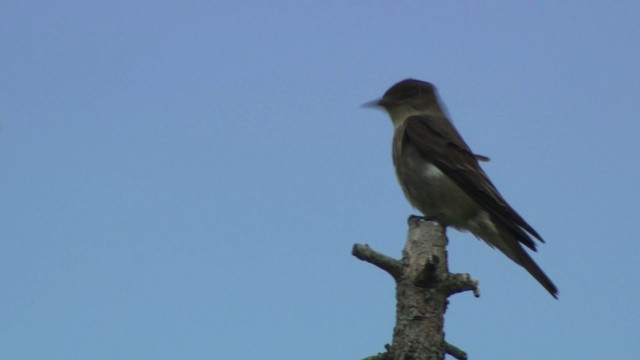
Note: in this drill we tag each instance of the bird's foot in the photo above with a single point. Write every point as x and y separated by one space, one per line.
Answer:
422 218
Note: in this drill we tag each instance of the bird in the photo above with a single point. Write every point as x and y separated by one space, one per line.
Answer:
441 177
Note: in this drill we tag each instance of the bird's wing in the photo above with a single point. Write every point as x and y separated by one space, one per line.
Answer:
439 142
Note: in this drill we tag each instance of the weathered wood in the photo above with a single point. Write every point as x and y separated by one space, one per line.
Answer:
423 284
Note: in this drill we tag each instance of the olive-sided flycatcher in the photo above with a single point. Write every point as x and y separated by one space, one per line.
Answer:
441 176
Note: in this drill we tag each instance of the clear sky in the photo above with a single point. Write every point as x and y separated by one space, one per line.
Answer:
185 179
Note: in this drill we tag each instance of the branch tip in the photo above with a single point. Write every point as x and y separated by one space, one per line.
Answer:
455 351
384 262
458 283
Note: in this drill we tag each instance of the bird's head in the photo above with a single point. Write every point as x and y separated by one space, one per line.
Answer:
408 97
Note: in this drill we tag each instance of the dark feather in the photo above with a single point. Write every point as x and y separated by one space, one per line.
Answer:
439 142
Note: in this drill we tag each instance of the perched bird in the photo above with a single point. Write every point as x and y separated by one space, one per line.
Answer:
441 176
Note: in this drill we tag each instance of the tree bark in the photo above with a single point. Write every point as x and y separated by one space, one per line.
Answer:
423 284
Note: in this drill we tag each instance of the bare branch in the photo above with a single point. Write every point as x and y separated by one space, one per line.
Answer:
457 283
384 262
455 351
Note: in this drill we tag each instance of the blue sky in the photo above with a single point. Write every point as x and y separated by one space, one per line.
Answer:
185 180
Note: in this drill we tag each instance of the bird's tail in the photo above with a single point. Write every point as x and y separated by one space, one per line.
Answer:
508 240
522 258
527 262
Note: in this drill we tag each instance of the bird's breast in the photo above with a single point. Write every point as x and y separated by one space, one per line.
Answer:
430 190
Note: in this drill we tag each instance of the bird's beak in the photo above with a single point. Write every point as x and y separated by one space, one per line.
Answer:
372 104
